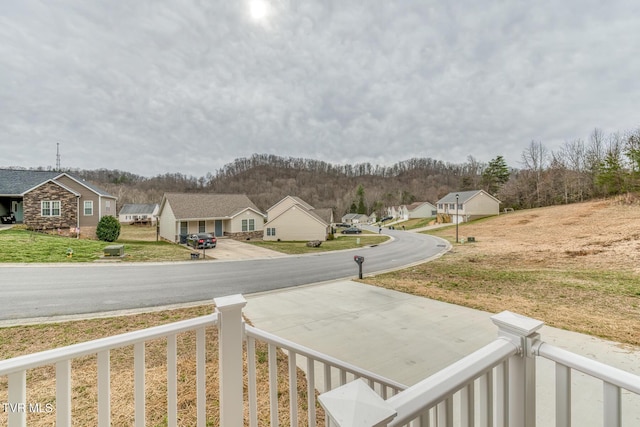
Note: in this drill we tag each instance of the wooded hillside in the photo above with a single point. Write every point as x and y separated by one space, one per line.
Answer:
605 165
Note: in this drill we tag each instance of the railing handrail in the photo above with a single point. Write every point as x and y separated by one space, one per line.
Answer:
48 357
425 394
593 368
321 357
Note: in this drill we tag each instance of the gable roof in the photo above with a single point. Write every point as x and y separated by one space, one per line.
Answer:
416 205
316 214
17 182
207 205
464 196
325 214
296 199
138 209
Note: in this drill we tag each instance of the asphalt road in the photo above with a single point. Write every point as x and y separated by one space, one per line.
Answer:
31 291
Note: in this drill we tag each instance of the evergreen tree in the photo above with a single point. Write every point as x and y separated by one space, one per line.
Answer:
362 208
495 175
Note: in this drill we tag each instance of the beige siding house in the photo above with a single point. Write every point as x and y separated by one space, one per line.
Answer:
421 210
293 219
470 205
232 215
132 213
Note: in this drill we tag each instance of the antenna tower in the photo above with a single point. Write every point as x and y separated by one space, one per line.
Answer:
58 156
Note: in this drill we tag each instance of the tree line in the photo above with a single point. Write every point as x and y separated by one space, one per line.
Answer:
579 170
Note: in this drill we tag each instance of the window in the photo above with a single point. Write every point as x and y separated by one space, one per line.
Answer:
201 227
184 228
107 206
50 208
248 225
88 207
271 231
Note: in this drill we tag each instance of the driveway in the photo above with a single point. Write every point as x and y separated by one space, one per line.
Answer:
408 338
229 249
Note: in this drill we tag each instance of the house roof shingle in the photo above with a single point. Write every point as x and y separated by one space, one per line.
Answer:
138 209
463 196
207 205
16 182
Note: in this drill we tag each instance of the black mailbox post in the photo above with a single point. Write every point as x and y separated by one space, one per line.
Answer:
359 260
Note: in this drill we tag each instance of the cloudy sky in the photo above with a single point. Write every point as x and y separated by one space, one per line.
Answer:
156 86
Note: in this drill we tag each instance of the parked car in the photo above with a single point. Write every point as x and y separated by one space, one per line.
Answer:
352 230
202 240
386 218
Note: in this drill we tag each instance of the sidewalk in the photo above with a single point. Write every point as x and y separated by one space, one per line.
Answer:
407 338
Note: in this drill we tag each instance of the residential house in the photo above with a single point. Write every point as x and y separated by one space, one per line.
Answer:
470 205
421 210
134 213
53 200
354 218
398 213
233 215
293 219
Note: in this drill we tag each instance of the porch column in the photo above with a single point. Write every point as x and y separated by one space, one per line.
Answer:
230 337
521 391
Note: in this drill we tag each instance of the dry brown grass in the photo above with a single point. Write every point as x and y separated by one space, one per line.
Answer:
41 382
576 267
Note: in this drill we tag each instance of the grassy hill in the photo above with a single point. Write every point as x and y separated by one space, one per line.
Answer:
575 267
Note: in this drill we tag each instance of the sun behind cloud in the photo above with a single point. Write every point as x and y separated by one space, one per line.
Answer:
259 9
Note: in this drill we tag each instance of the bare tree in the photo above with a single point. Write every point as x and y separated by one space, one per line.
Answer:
535 159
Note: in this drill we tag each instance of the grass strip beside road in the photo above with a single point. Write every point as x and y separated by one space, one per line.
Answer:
24 246
342 242
603 303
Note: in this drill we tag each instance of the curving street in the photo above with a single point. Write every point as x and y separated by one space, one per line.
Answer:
30 291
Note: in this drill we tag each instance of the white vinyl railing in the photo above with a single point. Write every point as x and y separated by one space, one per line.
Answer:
614 380
16 371
494 386
335 373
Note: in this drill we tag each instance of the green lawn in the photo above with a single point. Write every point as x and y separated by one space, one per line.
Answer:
23 246
341 242
413 223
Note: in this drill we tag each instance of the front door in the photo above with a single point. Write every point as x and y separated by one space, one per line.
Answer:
218 227
16 208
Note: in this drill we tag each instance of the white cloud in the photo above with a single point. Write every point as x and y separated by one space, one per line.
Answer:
151 87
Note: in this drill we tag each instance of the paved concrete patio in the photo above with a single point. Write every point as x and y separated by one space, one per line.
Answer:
407 338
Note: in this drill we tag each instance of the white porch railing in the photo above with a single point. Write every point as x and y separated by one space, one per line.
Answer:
16 370
494 386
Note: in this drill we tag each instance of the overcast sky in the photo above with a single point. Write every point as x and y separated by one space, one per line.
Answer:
157 86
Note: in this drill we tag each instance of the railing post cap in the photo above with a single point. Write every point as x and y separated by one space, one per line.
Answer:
230 302
516 324
356 403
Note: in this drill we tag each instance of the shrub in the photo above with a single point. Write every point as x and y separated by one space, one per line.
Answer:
108 229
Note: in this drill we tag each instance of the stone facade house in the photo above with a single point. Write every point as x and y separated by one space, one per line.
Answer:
51 200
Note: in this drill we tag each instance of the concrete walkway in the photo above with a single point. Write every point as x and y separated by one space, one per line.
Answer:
407 338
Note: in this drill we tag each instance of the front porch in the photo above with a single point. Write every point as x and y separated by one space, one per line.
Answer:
494 385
